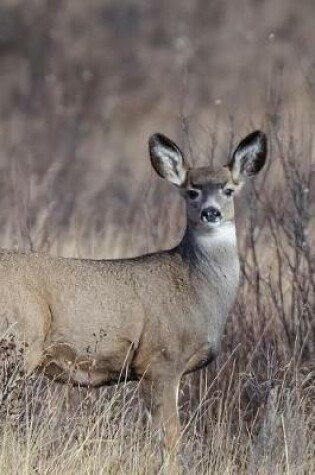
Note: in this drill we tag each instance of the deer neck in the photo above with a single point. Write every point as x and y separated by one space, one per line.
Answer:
211 251
213 264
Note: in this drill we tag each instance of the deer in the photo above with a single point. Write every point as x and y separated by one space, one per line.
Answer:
152 318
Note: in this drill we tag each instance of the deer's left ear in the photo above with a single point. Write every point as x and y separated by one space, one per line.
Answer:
249 156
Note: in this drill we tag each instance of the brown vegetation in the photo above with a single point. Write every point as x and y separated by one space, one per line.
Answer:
78 99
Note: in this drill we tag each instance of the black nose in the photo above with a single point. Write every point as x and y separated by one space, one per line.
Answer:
211 215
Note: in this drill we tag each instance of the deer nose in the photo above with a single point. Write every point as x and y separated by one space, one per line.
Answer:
211 215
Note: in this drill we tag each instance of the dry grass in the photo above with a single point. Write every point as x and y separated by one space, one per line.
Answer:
56 429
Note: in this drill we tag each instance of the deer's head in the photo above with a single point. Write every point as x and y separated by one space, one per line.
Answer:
209 193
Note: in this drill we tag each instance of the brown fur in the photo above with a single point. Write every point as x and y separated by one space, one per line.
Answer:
205 175
152 318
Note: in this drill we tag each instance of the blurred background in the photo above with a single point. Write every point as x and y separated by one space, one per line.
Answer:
83 84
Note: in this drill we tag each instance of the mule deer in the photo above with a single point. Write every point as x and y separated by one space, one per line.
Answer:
152 318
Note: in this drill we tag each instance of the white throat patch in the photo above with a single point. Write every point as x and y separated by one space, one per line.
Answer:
217 235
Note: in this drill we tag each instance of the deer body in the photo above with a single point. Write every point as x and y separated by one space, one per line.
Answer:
93 336
151 318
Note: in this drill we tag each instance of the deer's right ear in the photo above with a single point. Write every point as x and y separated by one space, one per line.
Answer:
167 159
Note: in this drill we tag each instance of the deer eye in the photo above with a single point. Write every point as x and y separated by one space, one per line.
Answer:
192 194
228 192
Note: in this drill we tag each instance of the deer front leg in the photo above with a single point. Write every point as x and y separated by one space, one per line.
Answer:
161 397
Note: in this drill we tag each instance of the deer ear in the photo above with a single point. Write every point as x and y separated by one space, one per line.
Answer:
249 156
167 159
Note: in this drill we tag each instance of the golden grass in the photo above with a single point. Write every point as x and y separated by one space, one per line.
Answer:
53 429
